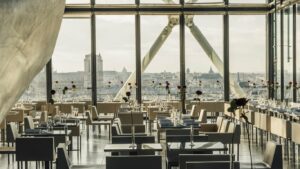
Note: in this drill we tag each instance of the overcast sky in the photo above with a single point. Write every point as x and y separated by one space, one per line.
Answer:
116 43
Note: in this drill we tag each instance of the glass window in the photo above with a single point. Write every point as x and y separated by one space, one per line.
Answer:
68 61
201 72
288 53
160 41
277 59
116 56
115 1
247 1
204 2
37 89
248 54
77 1
158 2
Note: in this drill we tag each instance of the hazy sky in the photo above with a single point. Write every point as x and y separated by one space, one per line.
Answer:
116 43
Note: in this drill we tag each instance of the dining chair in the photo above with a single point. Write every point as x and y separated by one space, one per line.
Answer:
212 127
91 122
35 149
212 165
63 161
134 162
139 140
44 117
11 133
28 123
272 158
192 114
126 127
202 116
184 158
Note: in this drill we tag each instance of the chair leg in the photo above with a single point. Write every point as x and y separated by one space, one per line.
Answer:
87 131
238 152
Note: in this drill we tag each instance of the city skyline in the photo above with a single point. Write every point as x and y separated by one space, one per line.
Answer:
74 43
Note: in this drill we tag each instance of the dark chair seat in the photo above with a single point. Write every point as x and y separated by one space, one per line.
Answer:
133 162
258 165
87 167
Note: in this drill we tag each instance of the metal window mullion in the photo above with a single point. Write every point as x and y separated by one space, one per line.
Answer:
93 55
49 80
226 55
182 57
294 53
138 55
282 55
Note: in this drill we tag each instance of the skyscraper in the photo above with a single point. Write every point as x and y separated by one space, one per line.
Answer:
87 71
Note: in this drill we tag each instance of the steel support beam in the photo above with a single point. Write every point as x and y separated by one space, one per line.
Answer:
93 57
282 96
294 53
182 59
149 56
167 9
270 53
49 80
138 56
226 55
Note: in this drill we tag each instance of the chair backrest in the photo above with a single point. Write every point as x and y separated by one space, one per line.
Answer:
28 123
202 116
62 160
184 158
212 165
35 149
128 139
118 123
3 124
273 155
137 118
134 162
89 119
52 109
115 130
11 132
44 117
94 111
219 122
224 126
193 111
186 138
180 132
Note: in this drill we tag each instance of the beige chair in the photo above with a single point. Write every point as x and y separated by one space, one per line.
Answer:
44 117
202 116
224 126
215 127
91 122
102 116
272 158
137 121
192 114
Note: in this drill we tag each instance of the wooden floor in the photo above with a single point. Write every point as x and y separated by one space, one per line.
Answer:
92 153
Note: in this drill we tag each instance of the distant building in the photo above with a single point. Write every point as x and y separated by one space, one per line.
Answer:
87 71
211 75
